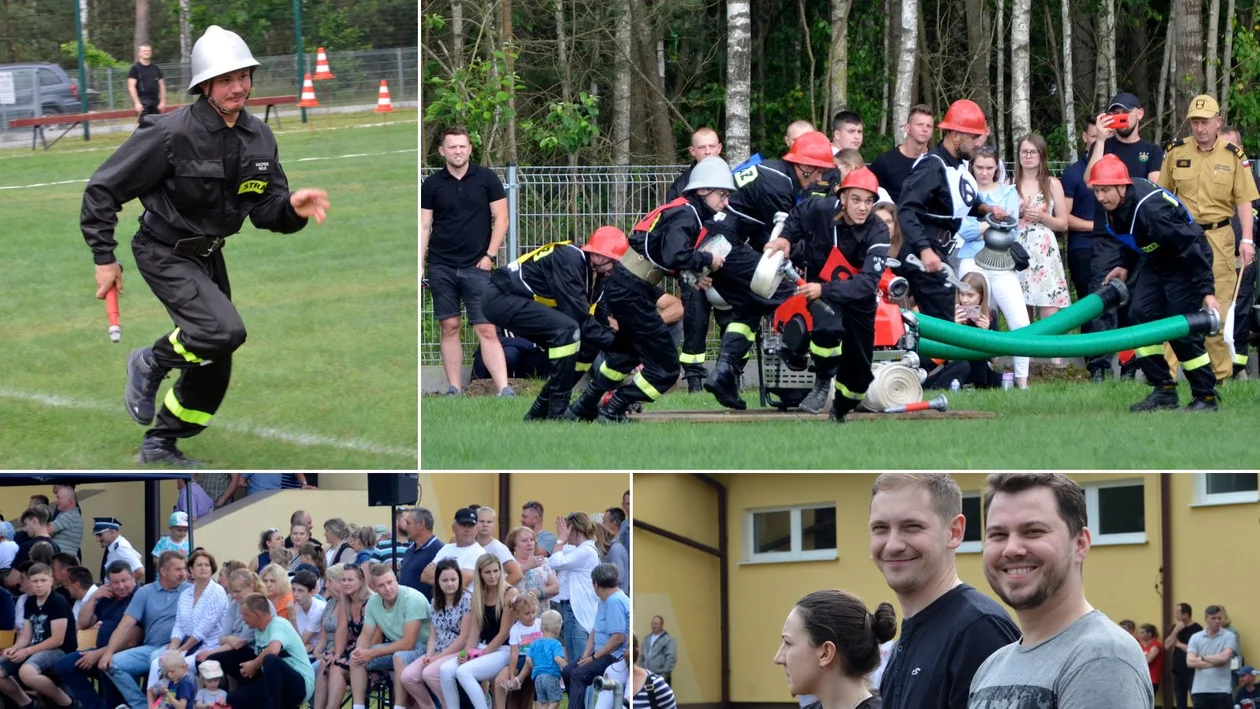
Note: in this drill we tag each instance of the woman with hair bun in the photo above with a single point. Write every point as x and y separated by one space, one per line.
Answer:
831 646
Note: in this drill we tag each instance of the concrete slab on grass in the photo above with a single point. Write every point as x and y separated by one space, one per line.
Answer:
729 416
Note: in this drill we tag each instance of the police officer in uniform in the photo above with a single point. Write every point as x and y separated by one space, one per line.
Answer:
1212 178
1174 276
844 253
545 296
938 193
116 546
199 172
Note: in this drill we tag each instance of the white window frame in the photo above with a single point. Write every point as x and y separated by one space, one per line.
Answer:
974 547
1093 516
796 553
1203 499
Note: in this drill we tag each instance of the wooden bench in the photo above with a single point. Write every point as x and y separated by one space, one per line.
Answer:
71 120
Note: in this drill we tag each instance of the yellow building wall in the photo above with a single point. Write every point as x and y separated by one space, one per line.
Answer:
1121 581
679 583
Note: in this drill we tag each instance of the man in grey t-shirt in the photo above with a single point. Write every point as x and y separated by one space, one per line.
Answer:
1070 655
1208 653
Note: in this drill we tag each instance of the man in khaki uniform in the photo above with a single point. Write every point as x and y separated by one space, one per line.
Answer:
1212 178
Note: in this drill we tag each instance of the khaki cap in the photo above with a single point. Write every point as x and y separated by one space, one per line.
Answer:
1203 106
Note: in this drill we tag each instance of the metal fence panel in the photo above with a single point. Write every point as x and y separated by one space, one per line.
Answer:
19 94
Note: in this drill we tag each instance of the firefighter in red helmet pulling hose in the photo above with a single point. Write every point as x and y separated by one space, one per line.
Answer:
937 194
844 255
1153 232
545 296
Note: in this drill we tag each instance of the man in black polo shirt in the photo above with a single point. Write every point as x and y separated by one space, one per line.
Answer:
457 207
1143 158
107 606
1183 674
424 546
146 84
949 628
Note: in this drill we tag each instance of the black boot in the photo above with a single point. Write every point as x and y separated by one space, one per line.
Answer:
615 411
824 369
558 407
1203 403
163 450
1159 398
538 411
723 383
586 408
695 384
841 406
1098 376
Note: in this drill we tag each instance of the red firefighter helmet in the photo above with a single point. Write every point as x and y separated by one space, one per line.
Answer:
608 241
964 116
1110 170
862 179
812 148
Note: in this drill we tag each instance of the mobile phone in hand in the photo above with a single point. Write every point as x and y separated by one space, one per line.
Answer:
1119 121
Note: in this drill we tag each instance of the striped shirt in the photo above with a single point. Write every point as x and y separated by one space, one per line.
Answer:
204 620
655 694
384 548
68 530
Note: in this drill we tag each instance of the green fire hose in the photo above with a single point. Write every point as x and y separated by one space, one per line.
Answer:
990 343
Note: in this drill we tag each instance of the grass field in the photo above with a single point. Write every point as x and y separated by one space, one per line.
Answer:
1056 424
327 378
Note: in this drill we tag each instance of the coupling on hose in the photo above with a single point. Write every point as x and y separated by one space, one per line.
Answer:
1203 322
1114 294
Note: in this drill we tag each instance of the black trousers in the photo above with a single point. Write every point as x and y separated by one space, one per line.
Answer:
1081 270
557 333
196 293
642 338
843 342
577 679
932 292
276 685
1221 700
1181 689
1244 314
696 312
1158 294
1110 320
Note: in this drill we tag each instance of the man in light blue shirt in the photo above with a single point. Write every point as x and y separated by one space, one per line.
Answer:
154 608
281 677
608 643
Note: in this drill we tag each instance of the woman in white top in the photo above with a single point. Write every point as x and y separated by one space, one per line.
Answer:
199 620
573 559
485 632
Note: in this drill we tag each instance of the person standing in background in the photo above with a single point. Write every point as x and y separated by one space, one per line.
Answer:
146 84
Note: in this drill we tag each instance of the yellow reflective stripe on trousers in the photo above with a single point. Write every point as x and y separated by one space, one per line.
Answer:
563 351
173 338
611 373
740 328
582 366
846 393
1240 360
645 387
1149 351
1196 362
691 358
825 351
200 418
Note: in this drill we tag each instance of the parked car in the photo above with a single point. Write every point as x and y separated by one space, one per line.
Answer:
57 91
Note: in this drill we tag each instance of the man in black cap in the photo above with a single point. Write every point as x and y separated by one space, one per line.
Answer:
1143 158
464 549
116 546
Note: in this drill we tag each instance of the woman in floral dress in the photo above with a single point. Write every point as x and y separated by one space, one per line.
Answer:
1044 283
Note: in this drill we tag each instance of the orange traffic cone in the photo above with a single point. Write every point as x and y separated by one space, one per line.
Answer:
321 66
383 104
308 94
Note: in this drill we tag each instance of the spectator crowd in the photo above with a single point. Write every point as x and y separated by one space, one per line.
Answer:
425 614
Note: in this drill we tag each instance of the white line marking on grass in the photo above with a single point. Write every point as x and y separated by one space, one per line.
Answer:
275 434
328 157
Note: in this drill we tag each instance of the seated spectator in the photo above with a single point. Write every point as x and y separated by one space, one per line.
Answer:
42 553
648 690
538 580
350 618
310 555
526 629
324 651
310 610
402 615
423 547
973 310
336 538
607 643
7 620
176 539
286 559
524 359
46 638
269 540
543 664
103 610
226 571
486 518
279 592
17 584
573 559
154 608
363 542
176 688
1247 688
451 605
202 503
463 549
67 521
199 618
485 637
8 547
81 587
390 546
61 564
211 695
37 523
236 644
296 540
281 676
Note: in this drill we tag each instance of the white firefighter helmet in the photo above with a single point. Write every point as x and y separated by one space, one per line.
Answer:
218 52
711 173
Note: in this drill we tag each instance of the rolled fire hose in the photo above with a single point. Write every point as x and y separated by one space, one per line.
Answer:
1017 343
895 384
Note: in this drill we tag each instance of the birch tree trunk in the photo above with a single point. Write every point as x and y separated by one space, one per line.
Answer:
1188 77
651 70
457 33
1000 94
506 41
1109 37
809 53
1228 61
838 66
1069 100
142 25
738 79
83 20
185 29
977 62
907 52
1213 30
883 101
1164 71
1021 19
621 86
562 51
